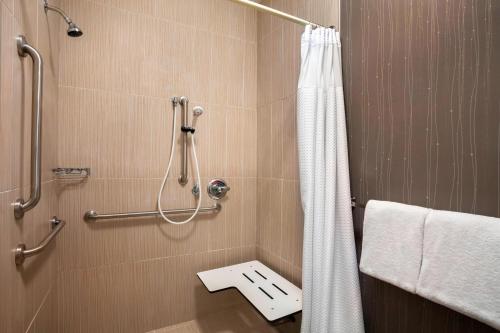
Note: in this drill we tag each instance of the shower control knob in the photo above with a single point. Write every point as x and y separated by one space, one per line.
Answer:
217 189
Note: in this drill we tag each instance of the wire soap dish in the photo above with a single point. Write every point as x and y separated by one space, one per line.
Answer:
71 173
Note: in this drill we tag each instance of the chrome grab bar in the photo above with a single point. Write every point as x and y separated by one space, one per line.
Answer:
21 253
21 206
92 215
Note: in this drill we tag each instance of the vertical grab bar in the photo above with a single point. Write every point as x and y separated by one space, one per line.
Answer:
21 206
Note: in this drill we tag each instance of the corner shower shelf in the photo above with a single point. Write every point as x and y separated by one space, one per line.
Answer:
271 294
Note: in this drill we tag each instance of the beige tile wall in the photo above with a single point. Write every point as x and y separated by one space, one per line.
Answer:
279 213
112 89
28 298
143 295
115 117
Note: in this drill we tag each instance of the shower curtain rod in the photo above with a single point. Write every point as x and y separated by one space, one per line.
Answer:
277 13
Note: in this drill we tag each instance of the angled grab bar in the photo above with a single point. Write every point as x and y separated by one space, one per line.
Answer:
92 215
21 253
21 206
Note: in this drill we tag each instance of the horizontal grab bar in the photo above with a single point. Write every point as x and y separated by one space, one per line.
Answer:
21 206
92 215
22 253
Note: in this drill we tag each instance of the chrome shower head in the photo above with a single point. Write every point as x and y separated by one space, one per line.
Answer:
198 111
73 29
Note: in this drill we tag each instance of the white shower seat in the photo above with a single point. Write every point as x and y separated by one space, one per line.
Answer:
271 294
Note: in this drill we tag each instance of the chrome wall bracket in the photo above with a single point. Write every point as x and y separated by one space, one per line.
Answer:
196 190
356 204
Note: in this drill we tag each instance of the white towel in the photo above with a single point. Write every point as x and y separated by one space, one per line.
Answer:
461 264
392 242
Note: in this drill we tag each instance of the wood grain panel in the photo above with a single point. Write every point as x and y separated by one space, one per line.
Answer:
423 115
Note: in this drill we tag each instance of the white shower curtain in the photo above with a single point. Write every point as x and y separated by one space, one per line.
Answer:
331 295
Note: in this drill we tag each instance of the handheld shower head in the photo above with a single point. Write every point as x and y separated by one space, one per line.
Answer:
73 29
198 111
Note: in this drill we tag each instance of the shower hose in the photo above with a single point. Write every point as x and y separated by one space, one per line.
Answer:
163 184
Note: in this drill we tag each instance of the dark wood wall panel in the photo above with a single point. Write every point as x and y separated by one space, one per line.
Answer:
422 85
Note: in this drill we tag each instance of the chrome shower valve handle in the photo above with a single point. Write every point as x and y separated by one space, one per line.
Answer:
217 189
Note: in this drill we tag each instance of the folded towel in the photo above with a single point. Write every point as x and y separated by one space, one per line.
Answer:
461 264
392 242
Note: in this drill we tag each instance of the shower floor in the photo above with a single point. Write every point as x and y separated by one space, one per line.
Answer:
239 319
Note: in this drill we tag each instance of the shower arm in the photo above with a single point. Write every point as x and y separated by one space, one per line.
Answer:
48 7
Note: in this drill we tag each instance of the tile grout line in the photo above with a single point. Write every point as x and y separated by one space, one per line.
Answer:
125 94
149 16
9 190
150 260
32 322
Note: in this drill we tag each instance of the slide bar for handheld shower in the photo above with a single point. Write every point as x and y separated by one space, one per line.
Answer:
183 178
92 215
21 206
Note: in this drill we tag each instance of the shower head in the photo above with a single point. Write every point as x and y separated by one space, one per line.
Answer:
73 29
198 111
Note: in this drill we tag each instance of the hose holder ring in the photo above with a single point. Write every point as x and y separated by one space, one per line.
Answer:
187 129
